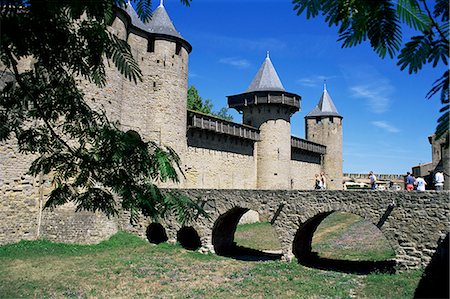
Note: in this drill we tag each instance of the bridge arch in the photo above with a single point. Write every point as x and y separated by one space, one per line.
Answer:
224 242
223 230
189 238
156 233
303 250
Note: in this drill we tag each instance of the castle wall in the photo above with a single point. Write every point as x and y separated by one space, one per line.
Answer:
328 131
63 224
19 194
303 174
219 162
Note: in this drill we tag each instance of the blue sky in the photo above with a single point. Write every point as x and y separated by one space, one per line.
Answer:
386 117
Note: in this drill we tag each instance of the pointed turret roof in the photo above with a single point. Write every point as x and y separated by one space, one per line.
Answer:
161 23
135 20
266 78
325 107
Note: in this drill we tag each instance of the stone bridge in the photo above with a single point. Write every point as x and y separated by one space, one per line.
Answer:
414 223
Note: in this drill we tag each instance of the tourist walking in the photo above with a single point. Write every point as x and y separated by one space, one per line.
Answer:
439 181
323 178
420 183
373 181
318 183
409 182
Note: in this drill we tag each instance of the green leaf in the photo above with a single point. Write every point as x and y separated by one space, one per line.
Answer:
119 52
441 8
415 53
144 10
410 13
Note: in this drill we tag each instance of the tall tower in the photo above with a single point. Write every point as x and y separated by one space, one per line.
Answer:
156 107
268 106
324 125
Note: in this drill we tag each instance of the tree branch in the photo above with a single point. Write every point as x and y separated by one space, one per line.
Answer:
433 22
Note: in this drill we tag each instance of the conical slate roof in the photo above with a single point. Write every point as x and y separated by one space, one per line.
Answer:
266 78
135 21
160 22
325 107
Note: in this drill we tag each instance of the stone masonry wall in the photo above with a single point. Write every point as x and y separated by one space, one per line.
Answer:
303 175
19 195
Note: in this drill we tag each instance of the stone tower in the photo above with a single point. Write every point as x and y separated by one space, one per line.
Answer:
267 106
324 125
156 107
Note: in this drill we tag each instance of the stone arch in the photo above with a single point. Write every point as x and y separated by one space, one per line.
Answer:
304 235
223 238
302 250
188 238
156 233
223 231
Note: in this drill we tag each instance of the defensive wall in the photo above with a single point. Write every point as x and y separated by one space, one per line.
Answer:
412 222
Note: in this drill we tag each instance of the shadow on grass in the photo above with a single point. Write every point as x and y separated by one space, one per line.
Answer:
251 255
346 266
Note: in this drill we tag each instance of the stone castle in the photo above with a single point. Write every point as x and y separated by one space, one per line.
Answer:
260 153
215 153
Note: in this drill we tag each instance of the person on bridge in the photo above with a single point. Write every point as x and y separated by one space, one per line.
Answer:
439 181
373 181
323 178
318 184
420 183
409 182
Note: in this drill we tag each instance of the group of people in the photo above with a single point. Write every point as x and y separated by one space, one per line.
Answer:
413 183
321 181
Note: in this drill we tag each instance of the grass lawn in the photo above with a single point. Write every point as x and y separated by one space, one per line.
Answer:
128 267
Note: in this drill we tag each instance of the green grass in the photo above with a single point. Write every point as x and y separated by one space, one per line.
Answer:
349 237
340 236
259 235
126 266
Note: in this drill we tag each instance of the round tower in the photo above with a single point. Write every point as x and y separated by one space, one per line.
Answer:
324 125
156 107
266 105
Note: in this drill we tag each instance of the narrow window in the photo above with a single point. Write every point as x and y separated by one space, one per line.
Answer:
151 45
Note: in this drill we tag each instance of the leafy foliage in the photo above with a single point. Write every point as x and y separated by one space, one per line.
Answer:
93 163
379 22
195 102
